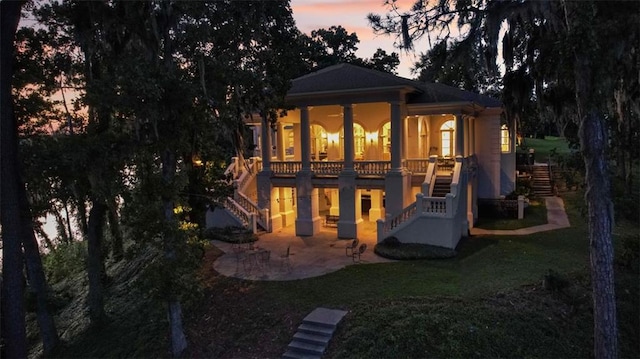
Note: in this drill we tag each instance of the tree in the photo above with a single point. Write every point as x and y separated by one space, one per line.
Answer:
535 33
13 320
327 47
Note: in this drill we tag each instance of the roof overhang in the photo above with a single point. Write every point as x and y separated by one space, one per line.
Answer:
361 95
458 107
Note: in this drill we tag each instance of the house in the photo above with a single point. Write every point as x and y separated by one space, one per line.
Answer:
363 145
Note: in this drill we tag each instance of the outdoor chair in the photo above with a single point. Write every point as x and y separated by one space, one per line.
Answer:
358 253
286 260
350 248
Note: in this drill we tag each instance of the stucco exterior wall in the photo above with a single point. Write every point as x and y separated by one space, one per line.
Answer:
220 218
487 149
507 173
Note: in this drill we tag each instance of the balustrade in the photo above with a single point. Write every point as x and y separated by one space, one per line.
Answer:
324 168
237 210
286 167
372 168
417 165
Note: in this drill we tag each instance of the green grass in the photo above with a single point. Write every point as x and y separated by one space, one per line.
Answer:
534 215
486 302
544 146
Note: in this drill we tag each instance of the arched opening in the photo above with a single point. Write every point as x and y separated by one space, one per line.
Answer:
447 132
385 141
319 143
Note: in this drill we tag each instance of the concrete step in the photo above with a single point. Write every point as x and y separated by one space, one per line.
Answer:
311 338
297 355
306 348
314 329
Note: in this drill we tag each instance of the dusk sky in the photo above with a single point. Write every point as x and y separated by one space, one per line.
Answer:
352 15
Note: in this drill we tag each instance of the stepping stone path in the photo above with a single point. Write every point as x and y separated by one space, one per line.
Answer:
314 334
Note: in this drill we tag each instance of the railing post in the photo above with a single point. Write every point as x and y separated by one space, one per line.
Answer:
419 203
253 225
380 229
449 205
520 207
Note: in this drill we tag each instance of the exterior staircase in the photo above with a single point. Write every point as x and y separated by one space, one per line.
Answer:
541 181
442 186
314 334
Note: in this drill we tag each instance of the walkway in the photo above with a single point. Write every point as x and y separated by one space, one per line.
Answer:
556 219
324 253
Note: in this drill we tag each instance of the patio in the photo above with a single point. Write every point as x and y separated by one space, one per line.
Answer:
309 256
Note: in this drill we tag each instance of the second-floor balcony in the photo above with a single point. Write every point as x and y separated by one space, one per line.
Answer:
373 169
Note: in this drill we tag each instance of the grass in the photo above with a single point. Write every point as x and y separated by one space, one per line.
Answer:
535 214
403 251
543 147
486 302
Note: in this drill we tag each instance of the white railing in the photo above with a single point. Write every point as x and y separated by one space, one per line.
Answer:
236 209
286 167
372 168
428 206
251 207
417 165
324 168
384 227
233 167
430 177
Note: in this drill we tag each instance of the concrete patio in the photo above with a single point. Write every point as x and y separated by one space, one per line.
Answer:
325 253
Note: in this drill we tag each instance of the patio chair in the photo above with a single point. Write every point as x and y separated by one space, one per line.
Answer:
350 248
359 252
286 259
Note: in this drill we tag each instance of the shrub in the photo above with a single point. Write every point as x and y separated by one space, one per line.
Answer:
66 259
629 253
392 248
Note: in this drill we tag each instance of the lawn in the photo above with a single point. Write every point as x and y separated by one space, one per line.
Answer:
544 146
535 214
488 301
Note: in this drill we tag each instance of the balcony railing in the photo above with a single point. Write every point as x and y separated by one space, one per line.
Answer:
363 168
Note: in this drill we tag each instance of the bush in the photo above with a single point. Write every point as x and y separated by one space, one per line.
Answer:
66 259
629 253
392 248
229 235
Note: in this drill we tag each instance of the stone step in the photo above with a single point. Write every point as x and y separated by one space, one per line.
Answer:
314 329
297 355
311 338
306 348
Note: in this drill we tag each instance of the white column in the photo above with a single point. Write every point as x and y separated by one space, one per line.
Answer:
266 144
280 142
376 212
467 137
459 135
305 138
348 136
335 203
397 129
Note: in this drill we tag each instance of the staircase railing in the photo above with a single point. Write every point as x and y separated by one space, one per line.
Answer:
425 205
247 219
386 226
251 207
430 176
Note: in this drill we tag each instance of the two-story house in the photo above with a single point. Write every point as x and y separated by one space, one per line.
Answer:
363 145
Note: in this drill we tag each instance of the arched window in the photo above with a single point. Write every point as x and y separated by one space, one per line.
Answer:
318 142
446 138
505 140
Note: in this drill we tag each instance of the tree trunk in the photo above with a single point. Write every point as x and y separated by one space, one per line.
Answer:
37 280
594 142
95 267
598 196
82 215
174 310
117 249
13 314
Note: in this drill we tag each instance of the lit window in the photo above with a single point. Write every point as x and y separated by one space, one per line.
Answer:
505 144
386 138
358 141
446 138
